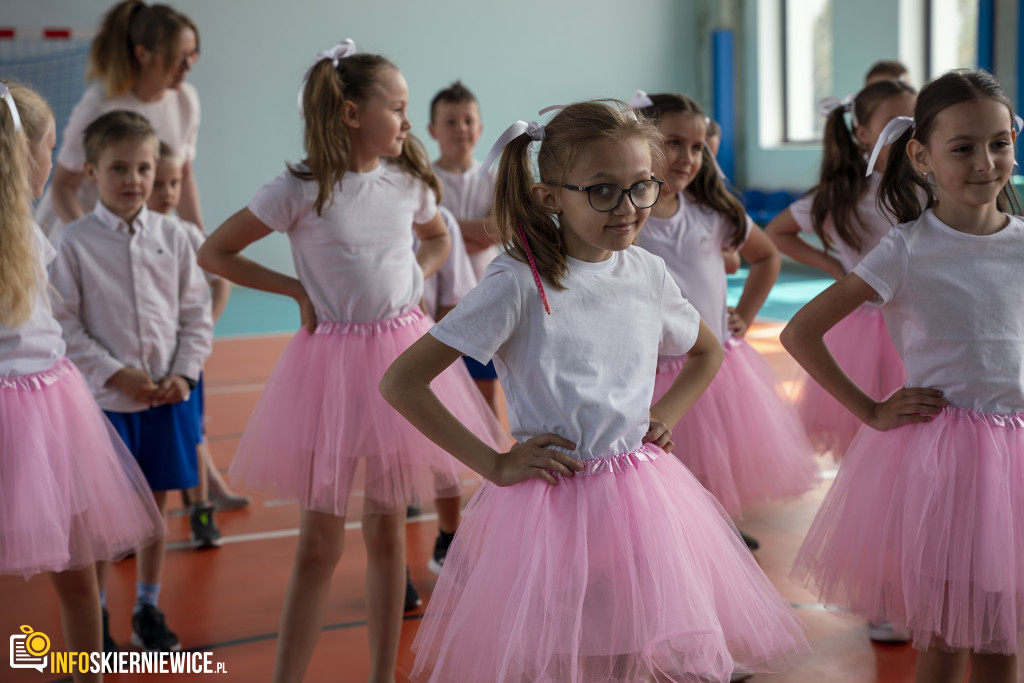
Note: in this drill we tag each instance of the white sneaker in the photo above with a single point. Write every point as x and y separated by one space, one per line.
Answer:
883 632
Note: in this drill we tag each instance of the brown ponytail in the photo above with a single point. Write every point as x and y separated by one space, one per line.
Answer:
842 181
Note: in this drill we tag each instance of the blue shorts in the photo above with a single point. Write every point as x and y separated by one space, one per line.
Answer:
197 399
480 371
163 441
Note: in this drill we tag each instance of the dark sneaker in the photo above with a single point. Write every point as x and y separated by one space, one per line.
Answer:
109 646
752 543
413 511
150 632
412 598
441 545
204 530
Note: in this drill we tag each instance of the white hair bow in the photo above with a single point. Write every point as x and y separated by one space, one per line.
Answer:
827 105
345 48
892 131
640 100
531 128
5 94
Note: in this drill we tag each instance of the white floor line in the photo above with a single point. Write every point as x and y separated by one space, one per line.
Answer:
234 389
287 533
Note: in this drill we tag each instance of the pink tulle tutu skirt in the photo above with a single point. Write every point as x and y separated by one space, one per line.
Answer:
864 350
321 426
924 527
742 439
628 570
70 492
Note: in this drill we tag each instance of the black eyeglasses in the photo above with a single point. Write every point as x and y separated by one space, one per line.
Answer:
606 197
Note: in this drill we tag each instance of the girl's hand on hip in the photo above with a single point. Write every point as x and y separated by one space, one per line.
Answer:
737 325
660 435
532 460
907 406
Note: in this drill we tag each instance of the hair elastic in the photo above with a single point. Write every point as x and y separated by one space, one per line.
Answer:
5 94
827 105
640 100
892 131
345 48
531 128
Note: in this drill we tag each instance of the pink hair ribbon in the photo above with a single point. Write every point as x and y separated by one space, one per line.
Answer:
5 95
533 267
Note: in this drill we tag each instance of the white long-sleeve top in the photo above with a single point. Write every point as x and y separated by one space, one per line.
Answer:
130 296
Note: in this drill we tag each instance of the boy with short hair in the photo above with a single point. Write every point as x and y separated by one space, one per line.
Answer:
134 311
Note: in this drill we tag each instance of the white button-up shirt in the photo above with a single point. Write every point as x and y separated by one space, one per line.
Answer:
130 297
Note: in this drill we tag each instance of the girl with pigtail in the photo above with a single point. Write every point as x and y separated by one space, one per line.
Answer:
320 428
924 525
589 554
843 211
743 440
71 495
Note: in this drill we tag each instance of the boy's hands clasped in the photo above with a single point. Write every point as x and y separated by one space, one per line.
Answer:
137 385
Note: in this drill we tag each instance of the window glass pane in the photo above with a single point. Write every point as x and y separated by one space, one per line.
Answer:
808 59
954 35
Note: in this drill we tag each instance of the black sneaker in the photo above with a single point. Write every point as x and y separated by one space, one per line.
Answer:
441 545
150 632
752 543
205 533
412 598
413 511
109 646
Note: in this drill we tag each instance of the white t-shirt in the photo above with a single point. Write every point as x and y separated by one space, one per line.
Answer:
874 224
585 372
691 242
356 260
951 302
469 196
36 344
455 278
175 118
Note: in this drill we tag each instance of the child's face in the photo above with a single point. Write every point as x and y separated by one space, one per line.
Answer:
166 186
969 153
41 159
684 134
886 111
124 176
592 235
379 125
456 127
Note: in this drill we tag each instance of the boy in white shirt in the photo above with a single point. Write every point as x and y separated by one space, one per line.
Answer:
134 310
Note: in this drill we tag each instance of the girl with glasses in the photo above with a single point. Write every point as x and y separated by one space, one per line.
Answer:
589 554
742 440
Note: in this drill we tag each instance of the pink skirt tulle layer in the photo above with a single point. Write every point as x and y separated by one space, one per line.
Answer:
628 570
864 350
321 427
742 439
924 527
70 492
